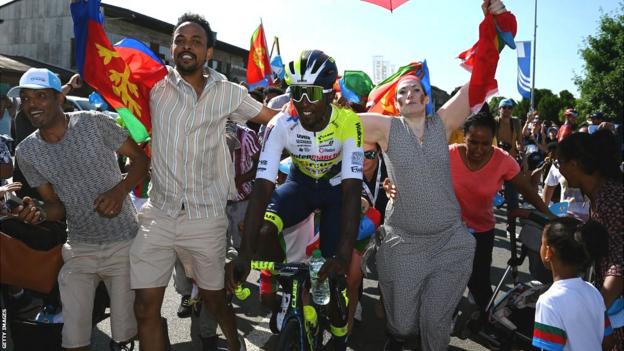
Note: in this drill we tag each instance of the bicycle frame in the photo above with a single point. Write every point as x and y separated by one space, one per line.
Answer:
297 274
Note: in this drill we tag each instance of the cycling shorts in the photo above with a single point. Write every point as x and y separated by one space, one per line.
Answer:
298 197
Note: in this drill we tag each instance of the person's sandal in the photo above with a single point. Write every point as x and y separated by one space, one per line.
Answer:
185 309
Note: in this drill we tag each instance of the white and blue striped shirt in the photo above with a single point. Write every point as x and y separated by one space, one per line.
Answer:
191 165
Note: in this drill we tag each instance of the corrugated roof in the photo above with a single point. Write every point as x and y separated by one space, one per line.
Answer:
22 64
9 64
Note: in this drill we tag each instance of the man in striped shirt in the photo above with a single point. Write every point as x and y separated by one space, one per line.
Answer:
191 182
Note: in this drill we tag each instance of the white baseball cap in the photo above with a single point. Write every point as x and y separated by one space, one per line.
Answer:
36 78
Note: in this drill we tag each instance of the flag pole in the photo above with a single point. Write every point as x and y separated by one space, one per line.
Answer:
272 47
534 50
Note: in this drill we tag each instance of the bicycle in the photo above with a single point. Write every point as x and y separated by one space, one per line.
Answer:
304 327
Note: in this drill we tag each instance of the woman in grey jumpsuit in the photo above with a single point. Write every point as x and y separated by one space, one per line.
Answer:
425 258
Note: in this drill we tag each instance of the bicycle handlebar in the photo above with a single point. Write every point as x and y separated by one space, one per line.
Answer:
276 266
261 265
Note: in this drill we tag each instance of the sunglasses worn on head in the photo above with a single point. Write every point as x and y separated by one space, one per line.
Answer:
314 93
371 155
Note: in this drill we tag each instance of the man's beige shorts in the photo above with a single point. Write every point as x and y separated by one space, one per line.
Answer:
199 243
85 266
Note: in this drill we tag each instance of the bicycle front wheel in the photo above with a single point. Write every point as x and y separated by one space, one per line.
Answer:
290 339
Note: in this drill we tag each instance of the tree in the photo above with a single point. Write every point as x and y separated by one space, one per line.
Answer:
522 108
584 108
567 99
494 104
601 82
549 107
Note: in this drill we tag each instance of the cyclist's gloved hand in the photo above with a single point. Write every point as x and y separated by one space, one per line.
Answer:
334 265
236 272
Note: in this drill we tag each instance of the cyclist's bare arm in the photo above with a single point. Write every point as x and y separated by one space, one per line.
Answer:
237 271
254 217
349 226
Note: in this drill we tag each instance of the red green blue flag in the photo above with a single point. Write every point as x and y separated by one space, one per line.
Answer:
258 64
494 33
382 98
548 337
122 74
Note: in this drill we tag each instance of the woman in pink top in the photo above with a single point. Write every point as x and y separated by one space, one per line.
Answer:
478 170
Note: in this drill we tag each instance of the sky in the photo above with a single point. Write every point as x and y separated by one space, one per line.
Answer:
353 31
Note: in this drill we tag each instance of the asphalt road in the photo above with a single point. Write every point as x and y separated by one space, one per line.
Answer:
253 318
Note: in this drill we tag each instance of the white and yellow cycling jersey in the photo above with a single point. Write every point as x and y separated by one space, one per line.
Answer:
335 150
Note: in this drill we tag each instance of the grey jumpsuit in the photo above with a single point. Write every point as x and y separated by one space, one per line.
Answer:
425 258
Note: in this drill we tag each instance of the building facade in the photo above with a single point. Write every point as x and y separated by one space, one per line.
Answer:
43 30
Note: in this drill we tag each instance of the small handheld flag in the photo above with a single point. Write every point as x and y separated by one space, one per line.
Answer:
382 98
494 33
123 75
258 64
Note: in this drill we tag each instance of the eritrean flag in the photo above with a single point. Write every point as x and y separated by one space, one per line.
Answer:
548 337
123 75
494 33
382 98
258 64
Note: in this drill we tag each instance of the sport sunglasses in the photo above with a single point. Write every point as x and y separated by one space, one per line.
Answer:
314 93
371 155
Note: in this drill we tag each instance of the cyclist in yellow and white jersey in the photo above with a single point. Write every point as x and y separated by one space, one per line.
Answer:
325 143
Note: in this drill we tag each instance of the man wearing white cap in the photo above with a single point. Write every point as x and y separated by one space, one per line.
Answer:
71 160
509 138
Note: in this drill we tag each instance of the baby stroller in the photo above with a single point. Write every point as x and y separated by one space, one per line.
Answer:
510 318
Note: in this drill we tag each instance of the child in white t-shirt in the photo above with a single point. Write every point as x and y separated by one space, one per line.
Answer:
571 314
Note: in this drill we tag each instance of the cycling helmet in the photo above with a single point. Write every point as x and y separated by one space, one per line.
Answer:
313 67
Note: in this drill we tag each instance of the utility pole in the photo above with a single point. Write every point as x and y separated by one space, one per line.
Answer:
534 50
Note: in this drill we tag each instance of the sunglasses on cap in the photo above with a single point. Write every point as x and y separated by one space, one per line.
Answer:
371 155
314 93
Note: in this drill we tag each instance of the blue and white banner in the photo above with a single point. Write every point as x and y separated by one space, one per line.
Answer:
277 67
524 68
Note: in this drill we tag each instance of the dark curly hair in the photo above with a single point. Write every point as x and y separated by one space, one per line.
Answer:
483 118
595 153
575 243
199 20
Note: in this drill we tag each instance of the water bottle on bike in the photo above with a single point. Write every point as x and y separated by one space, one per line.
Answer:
320 291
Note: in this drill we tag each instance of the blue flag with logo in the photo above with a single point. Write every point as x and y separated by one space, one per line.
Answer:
524 68
277 67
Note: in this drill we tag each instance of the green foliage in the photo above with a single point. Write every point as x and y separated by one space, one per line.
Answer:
522 108
601 84
548 105
567 99
549 108
584 108
494 104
